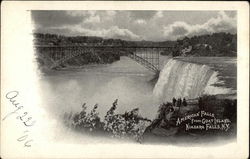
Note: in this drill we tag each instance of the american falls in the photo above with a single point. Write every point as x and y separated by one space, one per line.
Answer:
182 79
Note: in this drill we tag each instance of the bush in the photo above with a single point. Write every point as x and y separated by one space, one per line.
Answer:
88 122
92 120
112 121
127 125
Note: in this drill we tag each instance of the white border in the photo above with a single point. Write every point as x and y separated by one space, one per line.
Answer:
18 73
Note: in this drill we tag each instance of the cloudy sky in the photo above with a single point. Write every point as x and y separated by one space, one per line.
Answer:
134 25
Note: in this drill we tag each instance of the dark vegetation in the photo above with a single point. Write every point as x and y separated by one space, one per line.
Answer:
100 57
216 44
59 40
131 125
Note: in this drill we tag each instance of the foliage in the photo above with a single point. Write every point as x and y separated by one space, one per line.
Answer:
59 40
216 44
128 125
89 122
114 123
92 120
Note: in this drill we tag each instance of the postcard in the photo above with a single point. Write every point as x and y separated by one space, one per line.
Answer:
124 79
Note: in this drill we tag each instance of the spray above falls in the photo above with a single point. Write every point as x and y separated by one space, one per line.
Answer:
182 79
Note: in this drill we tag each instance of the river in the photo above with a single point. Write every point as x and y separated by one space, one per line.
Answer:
125 80
130 83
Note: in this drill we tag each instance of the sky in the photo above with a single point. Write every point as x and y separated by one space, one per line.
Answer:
134 25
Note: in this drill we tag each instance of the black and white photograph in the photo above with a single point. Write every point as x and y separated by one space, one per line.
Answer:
139 75
143 77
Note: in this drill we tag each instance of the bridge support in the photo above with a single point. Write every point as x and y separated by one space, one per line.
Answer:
148 57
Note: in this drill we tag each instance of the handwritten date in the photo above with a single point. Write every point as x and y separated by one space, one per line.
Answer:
21 115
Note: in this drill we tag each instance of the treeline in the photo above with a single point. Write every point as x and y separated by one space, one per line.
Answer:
216 44
59 40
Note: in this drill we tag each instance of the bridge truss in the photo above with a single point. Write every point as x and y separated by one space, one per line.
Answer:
149 58
146 56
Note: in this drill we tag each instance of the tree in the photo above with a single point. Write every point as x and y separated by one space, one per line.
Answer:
92 120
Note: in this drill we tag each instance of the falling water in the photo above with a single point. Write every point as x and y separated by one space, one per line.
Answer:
183 79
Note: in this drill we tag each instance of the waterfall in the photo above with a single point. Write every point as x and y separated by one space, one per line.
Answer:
182 79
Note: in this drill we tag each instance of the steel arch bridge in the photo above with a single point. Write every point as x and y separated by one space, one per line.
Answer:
145 56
